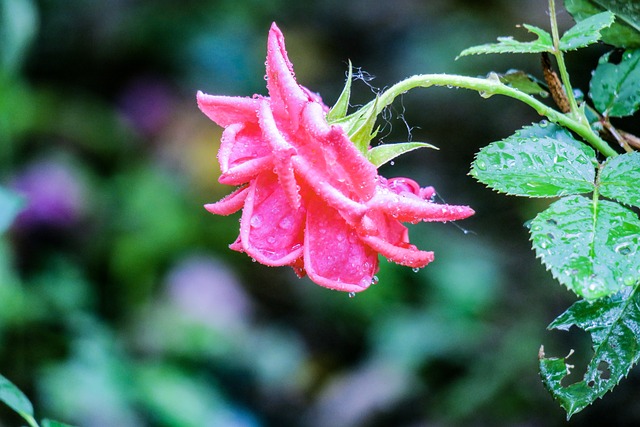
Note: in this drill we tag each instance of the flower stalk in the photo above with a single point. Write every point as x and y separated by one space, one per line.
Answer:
493 86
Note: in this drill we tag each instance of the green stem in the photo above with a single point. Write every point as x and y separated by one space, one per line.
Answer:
493 86
564 74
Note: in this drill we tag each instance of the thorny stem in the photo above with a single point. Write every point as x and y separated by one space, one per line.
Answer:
493 86
564 74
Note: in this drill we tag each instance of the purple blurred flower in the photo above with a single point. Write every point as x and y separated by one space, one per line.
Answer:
55 194
208 291
356 397
147 103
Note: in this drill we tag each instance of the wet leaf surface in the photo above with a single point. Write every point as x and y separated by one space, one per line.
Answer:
620 177
542 160
625 31
592 248
614 325
614 86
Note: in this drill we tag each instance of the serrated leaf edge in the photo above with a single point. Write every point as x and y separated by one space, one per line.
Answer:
541 256
605 167
499 191
504 40
595 351
584 23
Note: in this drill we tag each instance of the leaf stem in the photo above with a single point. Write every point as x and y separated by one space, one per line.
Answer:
487 87
564 74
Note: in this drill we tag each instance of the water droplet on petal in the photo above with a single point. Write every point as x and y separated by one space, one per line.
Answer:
286 223
352 294
415 269
256 221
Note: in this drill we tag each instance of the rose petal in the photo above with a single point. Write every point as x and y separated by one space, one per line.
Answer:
316 98
414 209
237 245
408 256
287 97
401 185
271 232
350 209
408 186
334 256
346 168
229 204
298 267
243 154
282 151
391 239
427 193
227 110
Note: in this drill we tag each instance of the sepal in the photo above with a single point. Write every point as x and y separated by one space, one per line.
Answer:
385 153
339 110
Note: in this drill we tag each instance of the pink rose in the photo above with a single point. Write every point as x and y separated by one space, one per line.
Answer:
309 198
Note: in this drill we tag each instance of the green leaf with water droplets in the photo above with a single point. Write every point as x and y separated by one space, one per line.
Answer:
582 34
542 160
620 179
386 152
614 325
591 247
625 31
614 86
14 398
586 32
543 43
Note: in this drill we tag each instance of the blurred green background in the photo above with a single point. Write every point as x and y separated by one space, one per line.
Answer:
120 303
